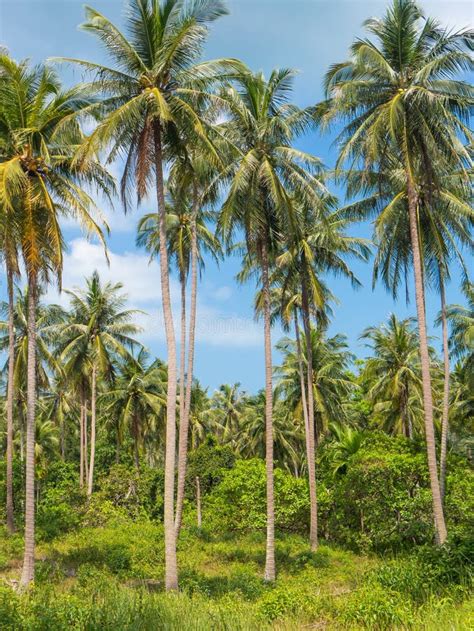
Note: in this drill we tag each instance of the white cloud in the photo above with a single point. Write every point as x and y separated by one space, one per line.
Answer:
216 326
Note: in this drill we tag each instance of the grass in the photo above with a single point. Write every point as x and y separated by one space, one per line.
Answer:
111 578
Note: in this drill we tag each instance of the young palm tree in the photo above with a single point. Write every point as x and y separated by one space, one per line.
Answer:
98 331
398 96
150 115
265 177
135 397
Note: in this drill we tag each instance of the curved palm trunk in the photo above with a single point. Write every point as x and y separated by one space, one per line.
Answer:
10 398
90 482
270 548
171 565
184 425
440 525
313 531
313 501
445 419
28 571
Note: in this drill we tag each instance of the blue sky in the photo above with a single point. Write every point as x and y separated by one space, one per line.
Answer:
307 35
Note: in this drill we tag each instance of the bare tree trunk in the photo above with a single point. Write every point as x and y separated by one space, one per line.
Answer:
86 442
136 456
440 525
182 360
81 443
171 565
184 425
93 424
198 502
10 398
313 529
28 571
270 548
445 419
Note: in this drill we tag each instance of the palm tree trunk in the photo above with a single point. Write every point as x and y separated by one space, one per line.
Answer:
28 571
313 502
10 398
440 525
86 441
313 530
136 456
182 353
445 419
81 445
198 502
184 425
270 548
171 565
93 424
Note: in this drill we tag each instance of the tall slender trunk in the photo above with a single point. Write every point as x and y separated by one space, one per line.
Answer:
171 565
10 398
86 443
136 456
270 548
445 419
93 424
440 525
313 530
313 502
28 571
81 444
405 412
184 424
198 502
182 354
62 437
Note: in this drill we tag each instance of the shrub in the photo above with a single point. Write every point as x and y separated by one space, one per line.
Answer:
238 502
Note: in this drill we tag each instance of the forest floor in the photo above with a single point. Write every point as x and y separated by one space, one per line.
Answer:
111 578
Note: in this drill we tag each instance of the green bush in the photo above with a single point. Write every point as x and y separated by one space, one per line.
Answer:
238 502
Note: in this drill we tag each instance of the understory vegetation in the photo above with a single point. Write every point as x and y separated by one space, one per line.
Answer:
101 562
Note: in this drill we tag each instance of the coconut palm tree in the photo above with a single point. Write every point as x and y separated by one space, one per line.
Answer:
445 220
393 375
135 397
265 177
98 331
332 385
398 96
41 182
189 237
151 114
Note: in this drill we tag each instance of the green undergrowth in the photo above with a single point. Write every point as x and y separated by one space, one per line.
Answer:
111 578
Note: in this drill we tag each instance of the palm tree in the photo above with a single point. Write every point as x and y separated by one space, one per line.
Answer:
188 238
98 331
319 245
150 115
461 320
332 384
40 182
135 397
398 97
344 442
445 219
394 376
265 177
